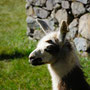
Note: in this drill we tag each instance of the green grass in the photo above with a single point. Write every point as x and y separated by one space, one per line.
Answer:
85 62
15 71
19 75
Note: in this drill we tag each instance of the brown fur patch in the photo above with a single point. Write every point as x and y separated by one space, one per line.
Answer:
62 86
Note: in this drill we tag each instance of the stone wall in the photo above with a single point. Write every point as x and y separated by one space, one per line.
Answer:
75 12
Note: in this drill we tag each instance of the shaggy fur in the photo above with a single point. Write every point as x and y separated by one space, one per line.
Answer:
63 64
74 80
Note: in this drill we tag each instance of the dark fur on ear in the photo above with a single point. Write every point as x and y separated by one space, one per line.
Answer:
63 27
46 29
63 30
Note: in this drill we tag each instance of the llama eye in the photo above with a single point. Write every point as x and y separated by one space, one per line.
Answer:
50 41
52 49
49 49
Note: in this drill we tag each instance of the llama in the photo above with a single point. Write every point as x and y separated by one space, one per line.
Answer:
58 53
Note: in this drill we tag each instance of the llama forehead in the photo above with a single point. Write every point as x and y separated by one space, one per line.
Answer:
43 42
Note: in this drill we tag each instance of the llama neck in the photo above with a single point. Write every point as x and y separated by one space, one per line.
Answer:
74 80
57 72
60 69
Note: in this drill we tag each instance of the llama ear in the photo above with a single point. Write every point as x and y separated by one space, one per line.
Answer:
63 30
46 29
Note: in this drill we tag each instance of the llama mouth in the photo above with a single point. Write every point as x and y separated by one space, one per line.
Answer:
36 62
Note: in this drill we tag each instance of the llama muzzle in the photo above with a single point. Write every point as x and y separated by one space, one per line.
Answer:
35 61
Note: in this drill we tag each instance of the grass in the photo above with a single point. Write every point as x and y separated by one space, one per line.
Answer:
85 62
15 71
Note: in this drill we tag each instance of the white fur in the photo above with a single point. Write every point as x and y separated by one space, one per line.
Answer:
55 78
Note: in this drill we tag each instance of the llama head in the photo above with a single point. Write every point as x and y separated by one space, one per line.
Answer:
52 46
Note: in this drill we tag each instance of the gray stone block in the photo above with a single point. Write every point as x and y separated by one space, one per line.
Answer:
31 23
30 11
81 44
61 15
77 8
39 2
36 2
72 33
49 4
57 1
74 23
84 26
65 4
83 1
41 13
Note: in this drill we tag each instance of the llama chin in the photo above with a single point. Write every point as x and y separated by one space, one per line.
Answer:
58 53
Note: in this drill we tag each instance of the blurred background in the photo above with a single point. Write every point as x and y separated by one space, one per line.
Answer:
15 71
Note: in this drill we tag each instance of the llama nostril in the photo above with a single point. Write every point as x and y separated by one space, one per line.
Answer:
32 58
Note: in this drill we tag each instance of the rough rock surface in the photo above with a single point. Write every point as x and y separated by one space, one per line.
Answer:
41 13
30 11
74 23
84 26
75 12
72 33
39 2
61 15
49 4
31 22
65 4
81 44
83 1
36 2
77 8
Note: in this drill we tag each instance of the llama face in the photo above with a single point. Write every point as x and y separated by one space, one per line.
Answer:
48 48
46 51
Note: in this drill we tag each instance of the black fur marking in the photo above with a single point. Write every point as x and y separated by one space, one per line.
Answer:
75 80
50 42
52 49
